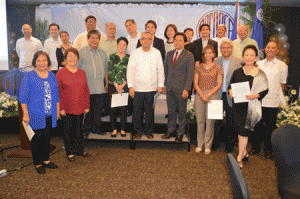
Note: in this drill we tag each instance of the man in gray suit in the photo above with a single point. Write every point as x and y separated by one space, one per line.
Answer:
229 64
179 73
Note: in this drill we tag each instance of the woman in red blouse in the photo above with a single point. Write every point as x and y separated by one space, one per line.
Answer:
75 102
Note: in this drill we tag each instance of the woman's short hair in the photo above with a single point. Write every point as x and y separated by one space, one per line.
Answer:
64 32
73 50
152 22
122 39
253 48
37 54
204 51
168 26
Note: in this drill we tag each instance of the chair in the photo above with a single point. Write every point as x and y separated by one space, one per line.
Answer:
239 187
286 148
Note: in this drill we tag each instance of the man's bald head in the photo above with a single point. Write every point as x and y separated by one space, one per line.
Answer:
26 30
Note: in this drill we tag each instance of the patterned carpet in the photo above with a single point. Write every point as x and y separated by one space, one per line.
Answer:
153 170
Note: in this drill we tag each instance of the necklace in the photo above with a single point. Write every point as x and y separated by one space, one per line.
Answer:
45 75
248 72
72 70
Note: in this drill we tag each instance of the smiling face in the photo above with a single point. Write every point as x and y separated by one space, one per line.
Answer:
94 41
189 34
249 57
243 32
41 63
71 59
54 31
151 28
26 30
110 30
146 40
170 32
90 24
205 32
179 42
208 55
226 50
122 46
271 50
130 27
221 31
64 38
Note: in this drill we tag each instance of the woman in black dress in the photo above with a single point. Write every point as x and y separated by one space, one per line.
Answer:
247 114
60 50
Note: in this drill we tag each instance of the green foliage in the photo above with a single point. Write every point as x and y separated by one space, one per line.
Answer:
41 30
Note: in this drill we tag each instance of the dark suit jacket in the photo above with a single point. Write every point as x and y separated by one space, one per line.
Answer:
234 64
179 77
193 49
159 45
198 44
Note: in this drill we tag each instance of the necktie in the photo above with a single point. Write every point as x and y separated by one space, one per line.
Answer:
174 61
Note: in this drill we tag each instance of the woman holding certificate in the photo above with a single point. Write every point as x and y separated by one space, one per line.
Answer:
246 114
207 81
39 100
117 67
74 103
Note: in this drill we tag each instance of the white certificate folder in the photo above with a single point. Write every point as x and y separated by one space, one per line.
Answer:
215 110
119 100
239 91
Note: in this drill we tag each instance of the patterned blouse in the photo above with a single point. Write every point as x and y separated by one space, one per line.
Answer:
117 68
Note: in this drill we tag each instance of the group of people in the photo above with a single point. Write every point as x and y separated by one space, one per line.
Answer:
97 66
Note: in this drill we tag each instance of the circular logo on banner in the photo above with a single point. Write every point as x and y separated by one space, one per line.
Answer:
259 14
214 18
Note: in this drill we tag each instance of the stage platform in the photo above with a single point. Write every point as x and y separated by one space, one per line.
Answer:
160 128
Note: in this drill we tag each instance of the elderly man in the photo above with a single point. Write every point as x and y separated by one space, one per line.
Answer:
157 43
93 61
205 40
81 40
221 32
243 40
277 72
133 36
27 46
179 72
109 44
51 44
229 64
145 77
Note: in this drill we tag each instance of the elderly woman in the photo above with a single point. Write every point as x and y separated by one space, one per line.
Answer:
60 50
207 81
39 100
74 103
169 34
247 114
117 67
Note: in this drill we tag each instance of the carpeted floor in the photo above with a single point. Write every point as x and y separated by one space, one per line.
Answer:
153 170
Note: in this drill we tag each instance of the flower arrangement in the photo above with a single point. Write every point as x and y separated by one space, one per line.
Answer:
289 114
8 106
190 111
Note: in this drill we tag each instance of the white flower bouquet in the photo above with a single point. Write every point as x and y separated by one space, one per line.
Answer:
8 106
190 111
289 114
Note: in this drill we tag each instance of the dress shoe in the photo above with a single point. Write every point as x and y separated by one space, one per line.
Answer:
71 158
40 170
50 165
149 135
253 152
178 138
167 136
137 136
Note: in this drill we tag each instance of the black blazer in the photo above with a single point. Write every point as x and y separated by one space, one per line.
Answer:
198 44
193 49
159 45
59 57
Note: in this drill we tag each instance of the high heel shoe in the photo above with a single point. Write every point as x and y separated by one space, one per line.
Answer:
240 164
114 134
246 158
123 134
